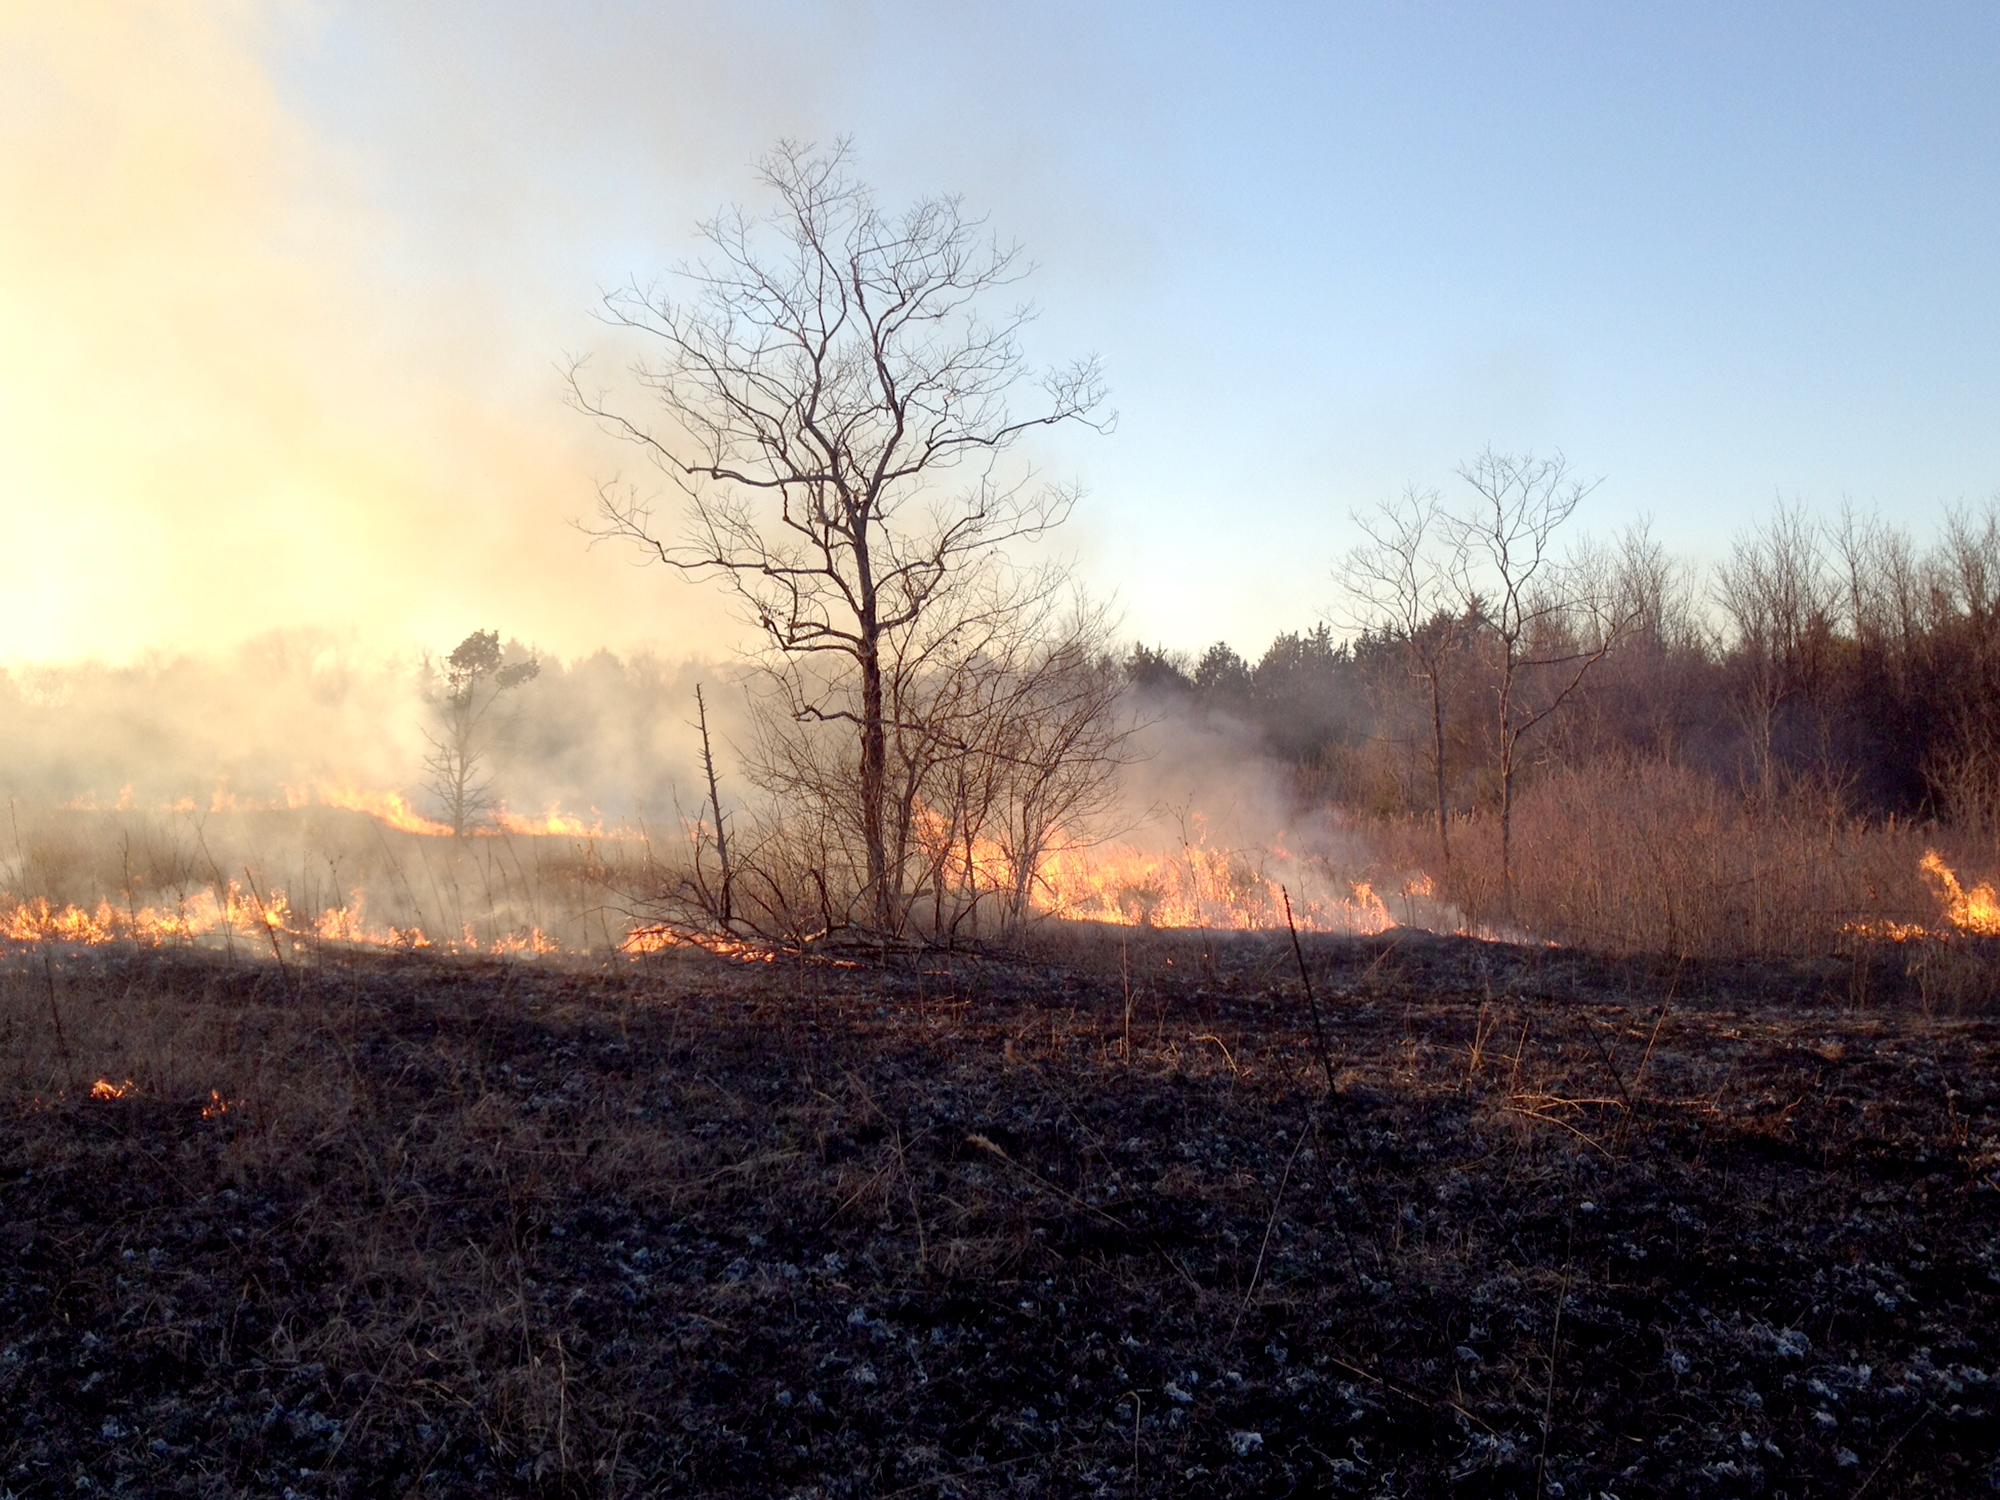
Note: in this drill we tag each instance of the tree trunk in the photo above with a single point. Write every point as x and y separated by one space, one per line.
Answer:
874 776
1437 770
1027 856
972 877
723 913
1507 740
459 803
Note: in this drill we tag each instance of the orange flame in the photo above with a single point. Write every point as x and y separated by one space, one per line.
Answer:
392 808
201 915
644 940
555 823
1966 913
1202 886
1199 885
1976 911
534 943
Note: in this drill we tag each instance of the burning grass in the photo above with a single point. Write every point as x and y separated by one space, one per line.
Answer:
291 878
1971 912
420 1224
1209 886
349 868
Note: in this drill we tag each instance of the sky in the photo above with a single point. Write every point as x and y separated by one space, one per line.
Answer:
284 286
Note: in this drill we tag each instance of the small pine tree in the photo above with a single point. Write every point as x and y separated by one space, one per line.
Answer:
464 728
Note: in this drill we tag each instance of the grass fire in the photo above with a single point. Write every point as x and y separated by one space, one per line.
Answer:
699 805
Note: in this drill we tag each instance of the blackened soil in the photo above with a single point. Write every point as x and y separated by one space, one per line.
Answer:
1562 1229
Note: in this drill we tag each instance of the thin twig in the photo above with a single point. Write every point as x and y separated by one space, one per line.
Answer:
1891 1452
271 930
1270 1225
1549 1396
1312 1000
55 1013
993 1148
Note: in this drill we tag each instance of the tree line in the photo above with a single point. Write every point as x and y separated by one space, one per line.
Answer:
1842 660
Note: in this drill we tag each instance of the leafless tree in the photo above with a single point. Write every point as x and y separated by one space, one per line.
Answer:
1780 599
1651 685
715 899
1407 582
1859 542
466 725
1964 644
1546 627
831 394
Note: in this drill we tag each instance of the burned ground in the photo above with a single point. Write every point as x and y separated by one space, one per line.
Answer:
698 1227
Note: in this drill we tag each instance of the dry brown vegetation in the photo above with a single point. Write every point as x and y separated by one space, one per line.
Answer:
1085 1225
1646 857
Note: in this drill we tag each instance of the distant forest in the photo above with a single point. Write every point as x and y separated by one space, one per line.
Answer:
1839 662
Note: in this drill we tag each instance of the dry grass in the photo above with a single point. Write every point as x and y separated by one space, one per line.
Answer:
1648 858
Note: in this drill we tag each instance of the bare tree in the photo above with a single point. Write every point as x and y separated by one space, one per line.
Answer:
1546 627
1646 695
1775 590
1964 770
465 727
833 402
1407 582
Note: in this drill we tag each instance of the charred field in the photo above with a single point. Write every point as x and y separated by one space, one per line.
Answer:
1086 1223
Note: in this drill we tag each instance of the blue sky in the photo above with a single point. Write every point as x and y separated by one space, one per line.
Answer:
1718 254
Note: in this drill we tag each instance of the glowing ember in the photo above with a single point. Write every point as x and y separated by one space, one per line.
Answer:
104 1088
216 1107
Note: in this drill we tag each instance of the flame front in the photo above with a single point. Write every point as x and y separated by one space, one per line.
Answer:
202 915
1202 885
1976 911
557 824
662 939
392 809
1965 913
